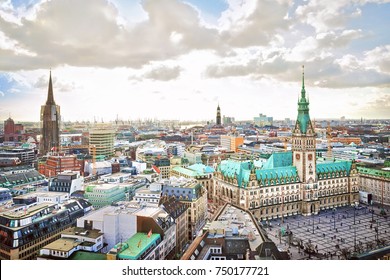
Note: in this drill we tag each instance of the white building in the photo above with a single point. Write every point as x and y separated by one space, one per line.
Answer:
151 194
117 223
67 181
72 240
98 168
139 165
53 197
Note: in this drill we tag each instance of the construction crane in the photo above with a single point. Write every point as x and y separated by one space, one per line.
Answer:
285 141
93 151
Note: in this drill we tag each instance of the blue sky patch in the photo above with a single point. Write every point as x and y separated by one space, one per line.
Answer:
6 84
374 22
215 7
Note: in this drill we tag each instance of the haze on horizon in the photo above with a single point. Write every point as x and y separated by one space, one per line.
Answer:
176 59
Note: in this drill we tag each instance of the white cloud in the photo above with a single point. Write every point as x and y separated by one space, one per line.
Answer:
159 73
253 23
94 38
43 82
332 39
379 58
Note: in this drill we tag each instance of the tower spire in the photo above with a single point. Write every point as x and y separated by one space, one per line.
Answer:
50 97
303 120
218 119
303 91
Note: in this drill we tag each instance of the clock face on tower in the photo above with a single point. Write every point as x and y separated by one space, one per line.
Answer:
297 156
310 157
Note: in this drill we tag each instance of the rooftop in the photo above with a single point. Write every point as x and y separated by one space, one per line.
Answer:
105 187
41 194
27 212
82 255
91 233
63 244
333 166
149 211
181 183
374 172
235 222
135 246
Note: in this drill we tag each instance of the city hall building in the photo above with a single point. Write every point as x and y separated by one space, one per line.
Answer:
288 183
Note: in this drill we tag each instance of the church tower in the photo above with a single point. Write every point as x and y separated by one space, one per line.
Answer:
218 121
50 123
304 154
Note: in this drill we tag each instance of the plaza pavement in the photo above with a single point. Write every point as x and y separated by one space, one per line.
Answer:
332 234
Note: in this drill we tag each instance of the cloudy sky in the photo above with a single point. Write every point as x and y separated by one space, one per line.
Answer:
177 59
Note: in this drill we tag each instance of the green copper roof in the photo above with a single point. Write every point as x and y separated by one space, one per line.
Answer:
236 169
278 160
303 122
374 172
279 174
195 170
136 245
329 167
201 168
186 171
278 168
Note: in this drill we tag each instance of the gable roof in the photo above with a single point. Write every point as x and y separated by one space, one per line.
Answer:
330 167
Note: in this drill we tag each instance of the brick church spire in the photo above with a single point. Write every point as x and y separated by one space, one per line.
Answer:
50 97
50 123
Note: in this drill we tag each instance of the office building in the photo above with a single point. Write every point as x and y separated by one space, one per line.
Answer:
231 142
68 181
26 155
376 182
56 164
104 194
193 195
26 229
101 142
203 174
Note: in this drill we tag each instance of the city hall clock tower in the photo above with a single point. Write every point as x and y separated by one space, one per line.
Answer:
304 154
